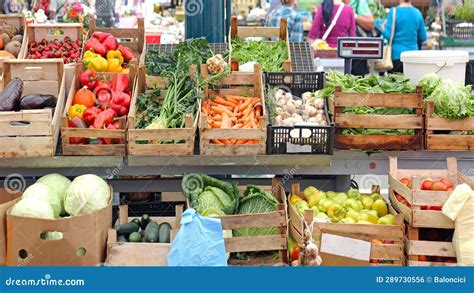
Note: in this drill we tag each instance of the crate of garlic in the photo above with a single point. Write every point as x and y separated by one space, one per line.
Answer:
299 120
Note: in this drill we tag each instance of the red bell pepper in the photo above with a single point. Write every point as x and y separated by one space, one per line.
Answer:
77 122
120 103
127 53
120 82
90 114
110 43
100 36
96 46
111 140
104 82
89 79
103 95
104 118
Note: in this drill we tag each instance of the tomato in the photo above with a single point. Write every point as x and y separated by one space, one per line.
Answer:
439 186
427 185
422 258
295 254
447 183
405 181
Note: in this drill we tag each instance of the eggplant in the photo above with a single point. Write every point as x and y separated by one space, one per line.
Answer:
37 101
11 95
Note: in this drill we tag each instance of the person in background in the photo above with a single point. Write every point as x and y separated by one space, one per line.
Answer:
57 8
409 31
294 20
345 24
365 26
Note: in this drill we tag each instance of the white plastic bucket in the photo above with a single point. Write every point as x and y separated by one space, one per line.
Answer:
447 64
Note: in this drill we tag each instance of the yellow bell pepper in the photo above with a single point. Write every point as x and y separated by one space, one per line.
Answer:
98 64
76 110
115 54
113 65
89 54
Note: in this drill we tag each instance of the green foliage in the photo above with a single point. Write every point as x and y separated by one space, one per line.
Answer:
453 100
270 55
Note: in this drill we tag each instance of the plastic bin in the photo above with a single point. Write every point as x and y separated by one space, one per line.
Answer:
448 64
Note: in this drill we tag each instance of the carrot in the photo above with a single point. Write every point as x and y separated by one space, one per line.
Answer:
241 141
221 109
225 121
216 141
245 105
238 125
215 124
225 102
222 106
226 141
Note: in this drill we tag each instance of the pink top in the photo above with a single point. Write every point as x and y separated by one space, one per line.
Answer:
345 25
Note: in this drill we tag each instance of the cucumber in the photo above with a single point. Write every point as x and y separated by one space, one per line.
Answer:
122 238
151 231
136 221
135 237
164 233
145 220
127 229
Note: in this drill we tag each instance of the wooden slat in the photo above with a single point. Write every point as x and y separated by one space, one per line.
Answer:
264 220
431 219
160 149
94 150
387 142
27 115
430 248
222 133
401 208
414 263
39 128
91 133
16 147
161 134
430 198
432 173
378 100
172 196
401 188
379 121
387 251
439 123
450 142
256 243
235 91
363 232
231 150
237 78
266 32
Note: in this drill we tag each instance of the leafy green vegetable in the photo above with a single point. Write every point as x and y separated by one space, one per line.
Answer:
429 82
453 100
256 201
148 108
271 55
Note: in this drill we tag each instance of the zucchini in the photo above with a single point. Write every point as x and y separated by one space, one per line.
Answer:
136 221
135 237
164 233
144 222
151 231
122 238
127 229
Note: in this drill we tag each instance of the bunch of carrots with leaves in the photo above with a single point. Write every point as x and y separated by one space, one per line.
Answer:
233 112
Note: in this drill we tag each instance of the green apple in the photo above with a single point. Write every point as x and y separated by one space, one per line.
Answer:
367 201
347 220
315 210
380 207
376 196
370 212
354 204
387 220
301 206
353 193
340 198
352 214
364 222
324 204
309 191
330 194
315 198
336 212
322 215
367 217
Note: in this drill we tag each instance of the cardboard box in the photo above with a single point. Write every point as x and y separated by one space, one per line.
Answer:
7 200
86 234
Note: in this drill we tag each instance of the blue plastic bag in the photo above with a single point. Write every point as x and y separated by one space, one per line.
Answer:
199 242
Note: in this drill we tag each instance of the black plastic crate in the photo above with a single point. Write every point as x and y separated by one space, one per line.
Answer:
299 139
456 30
470 72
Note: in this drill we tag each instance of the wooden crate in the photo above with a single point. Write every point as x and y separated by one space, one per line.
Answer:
447 142
133 38
33 133
388 254
258 32
183 138
414 215
17 21
237 83
67 132
37 32
140 254
379 142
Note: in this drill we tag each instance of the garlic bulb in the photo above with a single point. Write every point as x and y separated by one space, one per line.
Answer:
298 103
319 103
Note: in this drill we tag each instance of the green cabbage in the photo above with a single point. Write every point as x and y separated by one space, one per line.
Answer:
256 201
429 83
216 198
46 194
33 208
86 195
453 100
58 183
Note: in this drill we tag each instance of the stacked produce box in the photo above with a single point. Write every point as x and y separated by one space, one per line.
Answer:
12 42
